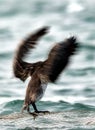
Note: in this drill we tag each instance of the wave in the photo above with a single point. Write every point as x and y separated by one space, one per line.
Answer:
16 105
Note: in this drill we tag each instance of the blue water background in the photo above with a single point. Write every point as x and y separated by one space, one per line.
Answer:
75 89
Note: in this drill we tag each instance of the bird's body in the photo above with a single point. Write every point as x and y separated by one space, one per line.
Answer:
35 89
41 72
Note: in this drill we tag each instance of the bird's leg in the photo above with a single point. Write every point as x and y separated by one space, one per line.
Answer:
25 107
36 110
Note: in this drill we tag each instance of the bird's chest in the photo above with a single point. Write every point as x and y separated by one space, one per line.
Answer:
42 90
43 87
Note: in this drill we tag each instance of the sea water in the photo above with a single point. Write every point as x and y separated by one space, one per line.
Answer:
75 88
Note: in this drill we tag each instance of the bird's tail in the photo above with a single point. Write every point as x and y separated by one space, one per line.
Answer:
20 67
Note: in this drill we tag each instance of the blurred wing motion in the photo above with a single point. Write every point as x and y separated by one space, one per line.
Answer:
56 62
59 57
22 69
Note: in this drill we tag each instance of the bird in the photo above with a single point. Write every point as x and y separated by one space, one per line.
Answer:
41 72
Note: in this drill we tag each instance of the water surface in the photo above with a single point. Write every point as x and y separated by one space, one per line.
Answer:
75 89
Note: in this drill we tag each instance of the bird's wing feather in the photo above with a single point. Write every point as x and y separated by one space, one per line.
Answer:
21 68
59 56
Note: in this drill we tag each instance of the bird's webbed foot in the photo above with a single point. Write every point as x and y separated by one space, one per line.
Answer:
37 113
43 112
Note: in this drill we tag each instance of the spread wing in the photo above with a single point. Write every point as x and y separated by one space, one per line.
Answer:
21 69
59 57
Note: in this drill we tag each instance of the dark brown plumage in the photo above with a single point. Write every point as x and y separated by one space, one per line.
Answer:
41 72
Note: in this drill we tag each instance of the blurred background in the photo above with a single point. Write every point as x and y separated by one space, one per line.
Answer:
75 88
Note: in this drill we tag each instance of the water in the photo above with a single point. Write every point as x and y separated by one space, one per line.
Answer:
75 89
